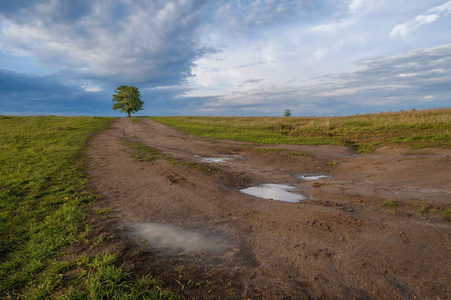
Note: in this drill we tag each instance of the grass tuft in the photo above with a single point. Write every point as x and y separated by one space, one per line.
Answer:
266 150
142 152
391 203
135 120
444 212
300 154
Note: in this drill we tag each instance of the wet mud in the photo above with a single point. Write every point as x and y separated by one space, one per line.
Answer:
371 230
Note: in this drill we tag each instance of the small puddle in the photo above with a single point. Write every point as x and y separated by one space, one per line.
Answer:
222 159
273 191
216 159
313 176
170 236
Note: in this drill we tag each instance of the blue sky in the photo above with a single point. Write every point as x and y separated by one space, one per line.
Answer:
225 58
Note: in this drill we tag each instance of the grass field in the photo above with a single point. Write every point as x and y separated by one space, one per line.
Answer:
43 201
364 133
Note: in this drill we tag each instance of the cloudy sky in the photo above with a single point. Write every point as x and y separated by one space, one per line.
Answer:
225 57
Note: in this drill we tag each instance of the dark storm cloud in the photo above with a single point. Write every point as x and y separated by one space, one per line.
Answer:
149 42
13 7
28 94
58 12
97 46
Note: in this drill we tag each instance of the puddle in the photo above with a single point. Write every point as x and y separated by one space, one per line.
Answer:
272 191
360 155
222 159
313 176
170 236
216 159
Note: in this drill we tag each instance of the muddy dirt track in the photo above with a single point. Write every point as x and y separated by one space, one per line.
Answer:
367 232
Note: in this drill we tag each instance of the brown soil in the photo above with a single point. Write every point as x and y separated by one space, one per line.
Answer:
345 241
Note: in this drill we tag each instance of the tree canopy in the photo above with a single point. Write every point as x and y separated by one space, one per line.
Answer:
127 99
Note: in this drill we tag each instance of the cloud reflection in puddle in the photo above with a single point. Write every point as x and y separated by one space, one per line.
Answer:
221 159
272 191
170 236
313 176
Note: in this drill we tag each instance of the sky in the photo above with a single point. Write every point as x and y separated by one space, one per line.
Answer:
225 58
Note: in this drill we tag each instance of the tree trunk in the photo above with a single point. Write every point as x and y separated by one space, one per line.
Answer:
129 114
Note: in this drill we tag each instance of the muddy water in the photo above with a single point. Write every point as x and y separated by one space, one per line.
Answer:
170 236
272 191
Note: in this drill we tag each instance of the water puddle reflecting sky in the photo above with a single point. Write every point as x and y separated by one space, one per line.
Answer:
216 159
313 176
273 191
170 236
221 159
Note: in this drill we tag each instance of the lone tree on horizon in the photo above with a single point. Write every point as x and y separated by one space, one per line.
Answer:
127 99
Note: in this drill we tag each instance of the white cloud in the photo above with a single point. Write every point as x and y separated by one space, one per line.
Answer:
351 15
360 6
355 5
442 9
92 88
333 27
427 72
391 82
403 30
248 17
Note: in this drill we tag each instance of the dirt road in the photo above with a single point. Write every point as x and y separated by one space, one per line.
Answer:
368 231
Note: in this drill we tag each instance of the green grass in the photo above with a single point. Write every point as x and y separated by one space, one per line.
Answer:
43 200
391 203
142 152
266 150
364 133
444 212
135 120
300 154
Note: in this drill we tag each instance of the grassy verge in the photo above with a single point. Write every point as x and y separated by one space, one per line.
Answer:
365 133
43 199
